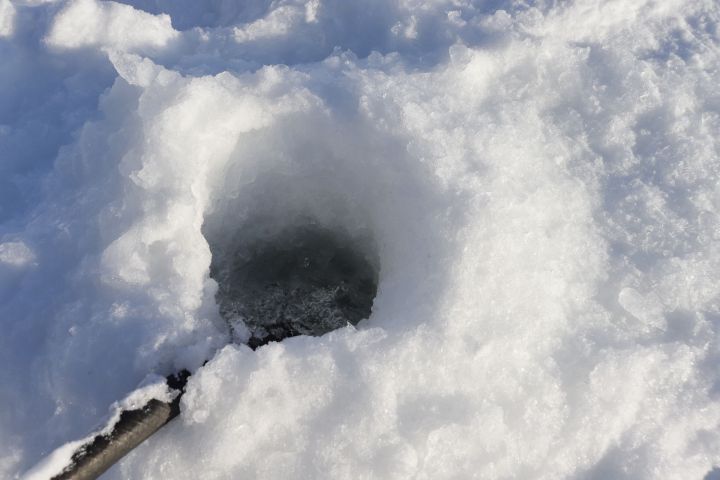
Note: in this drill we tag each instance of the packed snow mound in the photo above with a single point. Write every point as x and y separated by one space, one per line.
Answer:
91 23
536 183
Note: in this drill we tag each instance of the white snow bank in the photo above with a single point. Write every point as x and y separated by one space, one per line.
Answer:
87 23
538 185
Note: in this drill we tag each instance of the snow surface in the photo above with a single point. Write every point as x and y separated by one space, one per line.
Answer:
538 179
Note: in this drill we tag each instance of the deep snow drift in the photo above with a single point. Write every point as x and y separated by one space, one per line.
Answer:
537 184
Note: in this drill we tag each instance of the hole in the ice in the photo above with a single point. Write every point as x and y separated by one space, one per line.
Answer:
305 281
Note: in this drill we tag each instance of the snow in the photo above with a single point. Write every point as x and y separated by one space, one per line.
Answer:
91 23
7 18
537 182
16 254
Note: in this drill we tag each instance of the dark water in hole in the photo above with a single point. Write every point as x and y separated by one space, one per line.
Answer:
304 282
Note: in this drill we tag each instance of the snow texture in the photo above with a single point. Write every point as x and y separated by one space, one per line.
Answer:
539 181
7 18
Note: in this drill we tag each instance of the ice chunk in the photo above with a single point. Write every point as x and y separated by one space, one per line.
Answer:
648 309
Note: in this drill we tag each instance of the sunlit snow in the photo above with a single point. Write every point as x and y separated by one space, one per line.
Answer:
535 184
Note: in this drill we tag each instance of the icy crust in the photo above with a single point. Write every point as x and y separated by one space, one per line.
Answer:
538 183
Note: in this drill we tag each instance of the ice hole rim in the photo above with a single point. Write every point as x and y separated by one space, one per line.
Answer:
350 177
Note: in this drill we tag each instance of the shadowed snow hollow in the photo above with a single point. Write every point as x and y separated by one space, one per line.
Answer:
509 211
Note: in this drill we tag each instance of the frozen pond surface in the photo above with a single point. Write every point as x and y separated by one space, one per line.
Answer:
524 196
